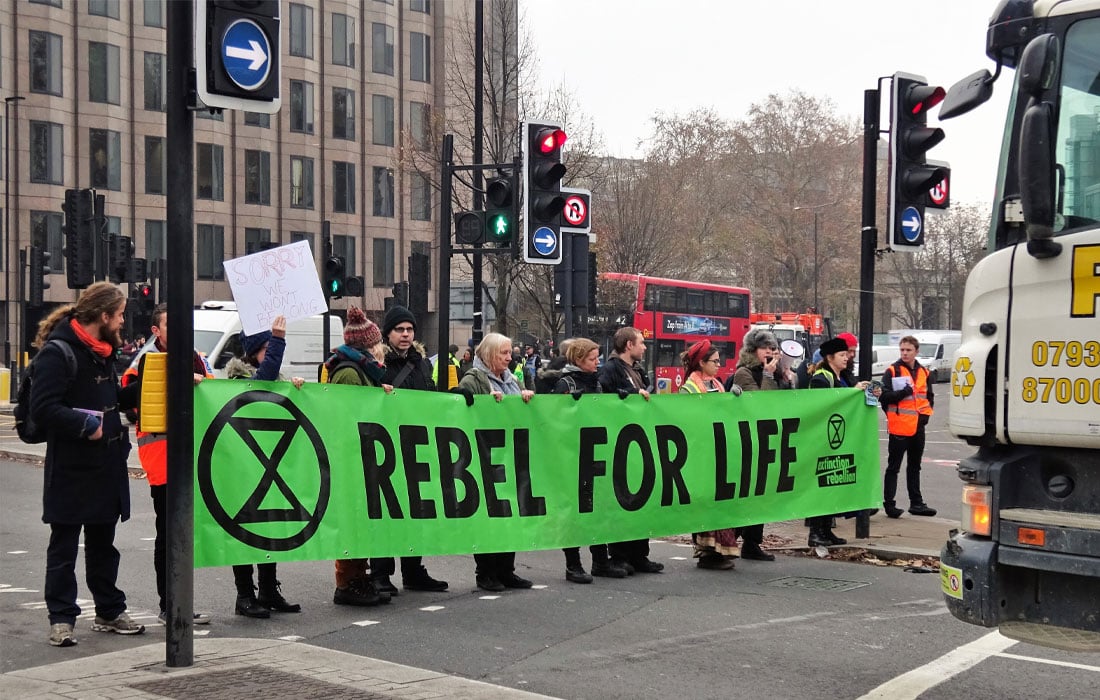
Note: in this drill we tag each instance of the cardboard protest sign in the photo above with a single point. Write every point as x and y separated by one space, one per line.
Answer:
277 282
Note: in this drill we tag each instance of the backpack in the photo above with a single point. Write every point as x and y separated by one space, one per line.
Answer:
28 431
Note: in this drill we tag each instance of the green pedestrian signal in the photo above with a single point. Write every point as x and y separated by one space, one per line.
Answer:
499 212
500 228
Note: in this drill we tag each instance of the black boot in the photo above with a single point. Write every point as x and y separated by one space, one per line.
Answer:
818 538
272 598
892 511
248 606
833 539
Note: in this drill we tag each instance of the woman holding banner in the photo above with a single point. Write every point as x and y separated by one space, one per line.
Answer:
715 549
489 374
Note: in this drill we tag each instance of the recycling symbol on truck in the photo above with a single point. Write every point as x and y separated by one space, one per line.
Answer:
962 378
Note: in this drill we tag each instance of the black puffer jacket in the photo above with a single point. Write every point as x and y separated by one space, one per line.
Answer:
574 380
86 481
420 377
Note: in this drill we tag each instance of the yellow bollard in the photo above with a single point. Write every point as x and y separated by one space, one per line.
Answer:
154 393
452 376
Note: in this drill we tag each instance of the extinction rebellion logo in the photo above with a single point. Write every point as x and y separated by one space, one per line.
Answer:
836 469
239 472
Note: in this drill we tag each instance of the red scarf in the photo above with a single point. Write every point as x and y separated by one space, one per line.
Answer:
99 347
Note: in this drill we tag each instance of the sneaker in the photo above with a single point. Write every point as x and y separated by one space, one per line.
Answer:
383 585
422 581
198 619
510 580
893 511
61 635
359 593
608 569
921 509
577 574
120 625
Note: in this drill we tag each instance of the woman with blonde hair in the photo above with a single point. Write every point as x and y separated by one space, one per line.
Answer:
489 374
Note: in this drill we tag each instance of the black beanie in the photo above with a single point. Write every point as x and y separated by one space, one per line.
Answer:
394 316
833 346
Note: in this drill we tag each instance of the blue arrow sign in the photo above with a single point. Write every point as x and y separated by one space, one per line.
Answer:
545 241
246 54
911 224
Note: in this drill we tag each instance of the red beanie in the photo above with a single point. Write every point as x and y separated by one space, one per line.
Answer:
359 331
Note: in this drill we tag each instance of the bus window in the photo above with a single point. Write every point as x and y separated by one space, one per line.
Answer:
667 352
695 302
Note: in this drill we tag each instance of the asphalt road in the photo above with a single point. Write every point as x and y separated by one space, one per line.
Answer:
795 628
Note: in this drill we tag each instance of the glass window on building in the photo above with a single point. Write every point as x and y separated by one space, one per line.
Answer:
301 182
420 125
103 73
344 247
156 88
156 239
257 177
343 40
257 119
382 48
343 187
54 3
47 154
105 148
154 13
296 236
383 191
343 114
45 53
156 165
255 238
46 232
420 192
301 106
103 8
420 57
301 30
383 262
209 173
210 252
420 6
382 120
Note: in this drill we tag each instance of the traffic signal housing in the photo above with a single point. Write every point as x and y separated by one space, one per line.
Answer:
120 254
500 212
336 279
910 174
79 238
543 171
237 56
40 270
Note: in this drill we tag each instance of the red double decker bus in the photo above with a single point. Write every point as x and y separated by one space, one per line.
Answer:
673 314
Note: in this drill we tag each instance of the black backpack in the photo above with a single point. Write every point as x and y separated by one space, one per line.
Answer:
28 431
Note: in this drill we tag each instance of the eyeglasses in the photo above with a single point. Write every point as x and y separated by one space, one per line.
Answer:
715 361
404 329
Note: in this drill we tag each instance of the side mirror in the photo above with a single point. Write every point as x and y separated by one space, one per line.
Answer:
970 92
1038 65
1037 178
223 360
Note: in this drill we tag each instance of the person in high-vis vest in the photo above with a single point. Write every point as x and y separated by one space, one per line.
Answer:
153 450
907 399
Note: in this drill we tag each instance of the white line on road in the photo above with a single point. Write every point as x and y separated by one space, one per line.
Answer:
432 608
1052 662
365 623
912 684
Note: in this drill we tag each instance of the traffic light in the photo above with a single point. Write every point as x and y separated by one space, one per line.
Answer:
40 270
336 280
500 212
237 56
911 176
120 252
470 227
401 294
79 239
543 201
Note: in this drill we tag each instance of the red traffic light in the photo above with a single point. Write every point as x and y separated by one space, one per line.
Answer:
550 140
922 98
146 291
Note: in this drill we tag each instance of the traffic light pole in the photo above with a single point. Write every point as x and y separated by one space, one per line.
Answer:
479 117
326 323
445 251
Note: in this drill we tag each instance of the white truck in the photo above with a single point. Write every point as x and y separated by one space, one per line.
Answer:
1025 383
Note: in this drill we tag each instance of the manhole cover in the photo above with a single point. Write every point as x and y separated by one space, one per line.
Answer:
817 584
252 682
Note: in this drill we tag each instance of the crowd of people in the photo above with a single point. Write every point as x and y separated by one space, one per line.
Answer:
86 486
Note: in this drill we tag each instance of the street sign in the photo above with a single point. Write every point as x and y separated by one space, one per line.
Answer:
545 243
939 197
911 224
576 213
237 56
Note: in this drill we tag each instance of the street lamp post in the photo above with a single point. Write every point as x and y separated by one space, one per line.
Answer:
5 249
816 209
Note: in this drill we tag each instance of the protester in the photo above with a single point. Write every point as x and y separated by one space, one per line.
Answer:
358 362
86 483
580 377
489 374
452 359
153 452
261 357
406 368
623 374
547 377
907 399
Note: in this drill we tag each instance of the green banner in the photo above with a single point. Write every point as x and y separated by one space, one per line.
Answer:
333 472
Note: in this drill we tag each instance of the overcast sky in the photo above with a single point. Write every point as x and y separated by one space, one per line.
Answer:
626 60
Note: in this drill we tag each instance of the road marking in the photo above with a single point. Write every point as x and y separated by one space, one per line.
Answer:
913 684
18 551
365 623
539 586
678 558
432 608
488 597
290 638
1052 662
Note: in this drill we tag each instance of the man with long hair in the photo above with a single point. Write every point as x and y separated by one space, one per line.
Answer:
86 482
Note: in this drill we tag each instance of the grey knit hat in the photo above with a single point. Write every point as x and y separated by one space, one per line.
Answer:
760 338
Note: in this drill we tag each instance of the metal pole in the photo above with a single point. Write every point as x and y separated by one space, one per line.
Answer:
326 253
4 249
444 278
179 640
817 309
566 244
479 117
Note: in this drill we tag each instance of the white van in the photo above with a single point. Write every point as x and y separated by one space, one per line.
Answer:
217 335
936 351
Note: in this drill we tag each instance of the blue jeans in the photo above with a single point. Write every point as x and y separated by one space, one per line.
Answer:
100 571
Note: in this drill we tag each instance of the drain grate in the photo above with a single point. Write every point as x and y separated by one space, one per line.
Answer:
252 682
816 584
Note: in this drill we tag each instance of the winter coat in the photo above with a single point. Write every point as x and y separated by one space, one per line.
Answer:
268 369
85 481
420 377
575 380
479 380
750 374
615 376
547 377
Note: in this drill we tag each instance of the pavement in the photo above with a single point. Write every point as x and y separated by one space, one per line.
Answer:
273 669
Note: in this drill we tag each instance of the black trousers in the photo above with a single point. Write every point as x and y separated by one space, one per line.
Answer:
631 551
495 563
100 571
751 534
242 577
598 551
385 566
160 556
912 448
